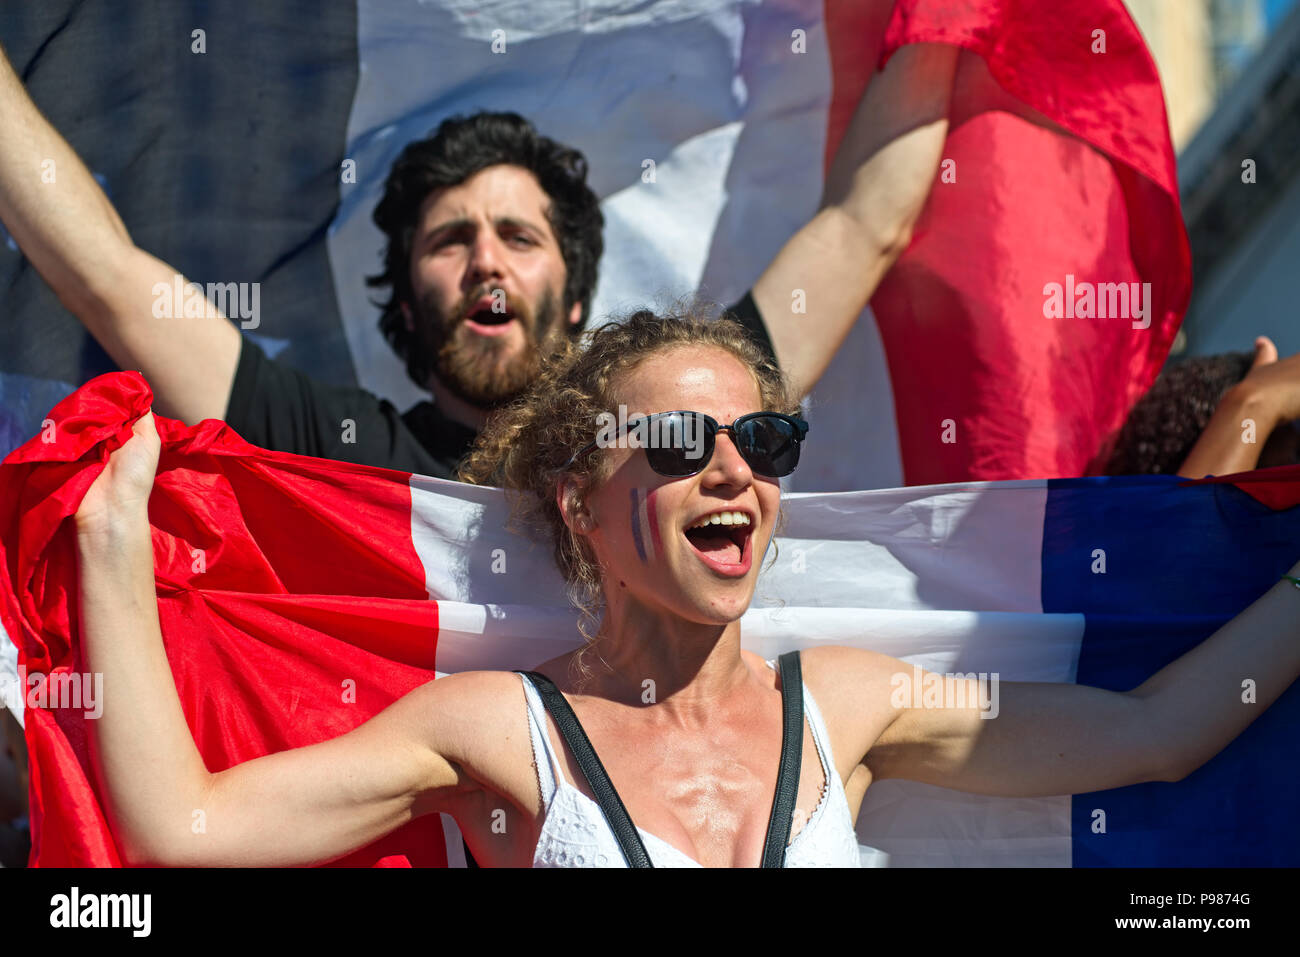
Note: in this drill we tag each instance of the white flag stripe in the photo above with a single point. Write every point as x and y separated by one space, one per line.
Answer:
972 546
854 442
11 692
944 577
907 824
658 235
1019 647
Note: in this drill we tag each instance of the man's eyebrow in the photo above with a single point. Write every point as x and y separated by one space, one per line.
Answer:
461 223
518 223
445 227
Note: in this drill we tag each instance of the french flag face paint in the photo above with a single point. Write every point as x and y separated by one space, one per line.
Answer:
645 524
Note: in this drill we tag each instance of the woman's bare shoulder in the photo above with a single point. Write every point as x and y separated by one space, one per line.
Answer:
470 716
478 721
839 670
476 695
852 688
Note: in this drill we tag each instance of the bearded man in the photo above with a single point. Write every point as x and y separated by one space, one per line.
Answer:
493 244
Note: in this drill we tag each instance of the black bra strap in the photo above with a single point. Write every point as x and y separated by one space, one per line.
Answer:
787 777
611 805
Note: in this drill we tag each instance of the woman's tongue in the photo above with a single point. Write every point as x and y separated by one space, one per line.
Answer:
716 541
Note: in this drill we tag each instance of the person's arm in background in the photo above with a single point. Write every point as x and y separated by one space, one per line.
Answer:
1268 396
70 232
875 191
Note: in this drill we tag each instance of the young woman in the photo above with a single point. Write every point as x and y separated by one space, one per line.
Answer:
688 725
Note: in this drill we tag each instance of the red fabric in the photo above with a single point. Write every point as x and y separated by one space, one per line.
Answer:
260 639
1278 488
1064 166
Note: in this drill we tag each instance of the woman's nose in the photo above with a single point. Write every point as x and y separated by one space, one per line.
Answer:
727 463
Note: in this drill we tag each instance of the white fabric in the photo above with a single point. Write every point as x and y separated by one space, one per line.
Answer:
575 833
11 692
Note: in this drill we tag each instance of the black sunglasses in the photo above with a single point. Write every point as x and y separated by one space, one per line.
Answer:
681 443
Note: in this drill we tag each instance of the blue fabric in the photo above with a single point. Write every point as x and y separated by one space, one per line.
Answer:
1180 561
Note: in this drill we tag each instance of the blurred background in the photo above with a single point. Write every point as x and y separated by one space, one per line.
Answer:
1231 75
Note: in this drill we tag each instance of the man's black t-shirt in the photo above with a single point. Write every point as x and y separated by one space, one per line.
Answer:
277 407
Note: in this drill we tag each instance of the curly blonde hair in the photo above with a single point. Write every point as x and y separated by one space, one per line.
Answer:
526 445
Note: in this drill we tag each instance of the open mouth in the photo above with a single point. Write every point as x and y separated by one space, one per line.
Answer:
483 318
486 317
722 537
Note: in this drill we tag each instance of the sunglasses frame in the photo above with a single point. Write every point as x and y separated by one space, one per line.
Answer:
800 426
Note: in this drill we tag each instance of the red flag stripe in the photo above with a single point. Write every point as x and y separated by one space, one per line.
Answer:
1064 167
270 647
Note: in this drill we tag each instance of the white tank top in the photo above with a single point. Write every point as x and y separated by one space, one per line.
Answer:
576 834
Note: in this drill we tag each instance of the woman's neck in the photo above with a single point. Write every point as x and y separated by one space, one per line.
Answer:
654 657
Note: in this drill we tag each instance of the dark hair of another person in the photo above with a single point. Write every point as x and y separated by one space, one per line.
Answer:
1165 424
461 147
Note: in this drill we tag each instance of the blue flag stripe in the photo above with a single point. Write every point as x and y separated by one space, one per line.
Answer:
1179 561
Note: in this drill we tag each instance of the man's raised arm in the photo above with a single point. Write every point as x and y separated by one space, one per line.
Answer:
875 190
69 231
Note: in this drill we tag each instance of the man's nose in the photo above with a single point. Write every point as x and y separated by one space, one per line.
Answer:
485 257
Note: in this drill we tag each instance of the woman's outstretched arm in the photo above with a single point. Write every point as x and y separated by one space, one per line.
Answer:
1048 738
303 806
1198 703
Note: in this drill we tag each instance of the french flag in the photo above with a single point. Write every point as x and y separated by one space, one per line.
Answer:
299 596
257 149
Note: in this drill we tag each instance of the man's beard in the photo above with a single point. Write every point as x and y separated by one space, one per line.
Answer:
484 370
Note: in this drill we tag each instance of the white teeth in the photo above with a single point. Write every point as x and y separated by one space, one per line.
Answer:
723 518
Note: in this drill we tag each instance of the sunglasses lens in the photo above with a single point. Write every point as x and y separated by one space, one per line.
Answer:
770 445
680 444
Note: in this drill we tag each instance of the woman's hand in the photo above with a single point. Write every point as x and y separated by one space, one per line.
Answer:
122 489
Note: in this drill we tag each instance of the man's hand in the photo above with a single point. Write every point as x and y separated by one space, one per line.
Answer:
70 232
1276 382
875 191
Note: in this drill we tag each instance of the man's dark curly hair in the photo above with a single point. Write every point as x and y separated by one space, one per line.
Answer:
1163 427
459 148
